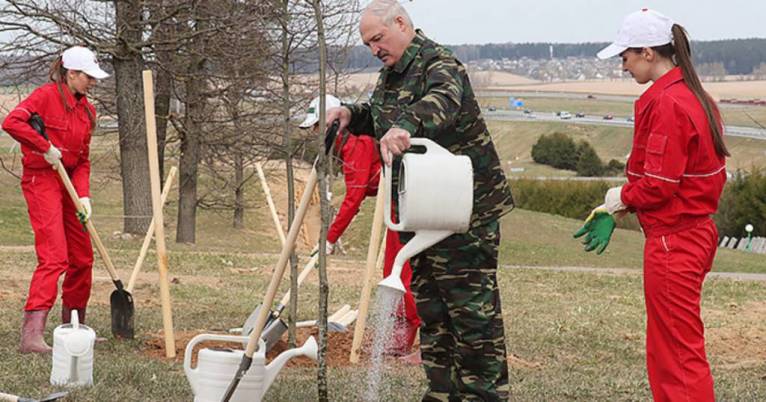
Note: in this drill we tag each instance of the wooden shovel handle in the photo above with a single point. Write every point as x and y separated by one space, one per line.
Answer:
88 224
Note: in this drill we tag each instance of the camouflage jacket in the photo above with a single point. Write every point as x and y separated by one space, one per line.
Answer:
428 94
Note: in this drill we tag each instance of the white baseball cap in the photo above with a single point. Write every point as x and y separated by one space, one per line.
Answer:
79 58
312 114
643 28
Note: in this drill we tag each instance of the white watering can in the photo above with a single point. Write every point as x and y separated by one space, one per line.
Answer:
216 367
435 200
73 353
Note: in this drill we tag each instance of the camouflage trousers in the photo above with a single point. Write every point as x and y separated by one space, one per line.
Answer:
462 340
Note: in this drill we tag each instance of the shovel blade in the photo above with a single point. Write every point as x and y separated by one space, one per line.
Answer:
122 314
249 324
54 397
273 333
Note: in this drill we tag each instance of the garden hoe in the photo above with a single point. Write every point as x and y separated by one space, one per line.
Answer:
52 397
279 270
121 300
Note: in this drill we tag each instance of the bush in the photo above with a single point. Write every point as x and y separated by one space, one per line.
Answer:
557 150
588 162
743 201
560 151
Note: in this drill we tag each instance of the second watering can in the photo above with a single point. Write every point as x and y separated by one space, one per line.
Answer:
435 200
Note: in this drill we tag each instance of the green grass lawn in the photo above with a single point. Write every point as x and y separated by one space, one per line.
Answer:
570 336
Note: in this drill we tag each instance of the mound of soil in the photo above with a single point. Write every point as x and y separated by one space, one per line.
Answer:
338 347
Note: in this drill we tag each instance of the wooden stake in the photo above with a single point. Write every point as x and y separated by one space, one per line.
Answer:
150 232
372 262
270 201
159 228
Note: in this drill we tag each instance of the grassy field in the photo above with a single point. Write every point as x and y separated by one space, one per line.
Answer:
735 115
514 141
570 336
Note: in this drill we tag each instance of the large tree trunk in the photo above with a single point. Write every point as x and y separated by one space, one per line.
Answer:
134 161
190 156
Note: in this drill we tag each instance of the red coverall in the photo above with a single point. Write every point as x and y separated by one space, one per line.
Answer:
61 242
675 180
361 171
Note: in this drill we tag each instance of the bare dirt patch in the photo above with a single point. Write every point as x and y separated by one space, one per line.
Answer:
338 347
739 341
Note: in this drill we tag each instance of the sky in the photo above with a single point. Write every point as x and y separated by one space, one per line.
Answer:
499 21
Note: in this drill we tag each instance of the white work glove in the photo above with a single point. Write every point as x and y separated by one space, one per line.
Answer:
613 200
52 155
328 249
85 201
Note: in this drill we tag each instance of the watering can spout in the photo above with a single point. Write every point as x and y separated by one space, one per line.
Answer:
309 349
423 239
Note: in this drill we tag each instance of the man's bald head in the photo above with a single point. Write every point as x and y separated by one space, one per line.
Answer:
386 29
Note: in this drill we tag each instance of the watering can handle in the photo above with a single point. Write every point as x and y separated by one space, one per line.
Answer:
387 212
209 337
430 145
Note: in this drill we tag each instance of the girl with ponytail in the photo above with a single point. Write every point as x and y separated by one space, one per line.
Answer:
676 172
61 244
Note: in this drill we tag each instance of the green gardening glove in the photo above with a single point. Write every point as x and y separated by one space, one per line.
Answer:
598 229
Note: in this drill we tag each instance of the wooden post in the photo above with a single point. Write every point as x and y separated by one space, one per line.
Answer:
270 201
150 232
374 258
159 228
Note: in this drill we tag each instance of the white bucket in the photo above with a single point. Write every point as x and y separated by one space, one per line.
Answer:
73 354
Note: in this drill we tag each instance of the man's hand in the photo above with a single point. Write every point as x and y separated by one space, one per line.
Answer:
342 114
395 142
52 155
599 227
329 248
83 216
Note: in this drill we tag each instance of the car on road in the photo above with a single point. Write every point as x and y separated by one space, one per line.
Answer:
527 111
630 118
565 115
579 114
609 117
591 96
492 108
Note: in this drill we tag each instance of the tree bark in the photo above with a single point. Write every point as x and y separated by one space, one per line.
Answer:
134 161
322 169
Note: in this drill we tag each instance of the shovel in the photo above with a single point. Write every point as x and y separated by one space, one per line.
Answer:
121 300
14 398
279 270
274 315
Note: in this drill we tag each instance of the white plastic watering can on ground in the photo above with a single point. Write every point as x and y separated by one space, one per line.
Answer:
435 200
216 367
73 354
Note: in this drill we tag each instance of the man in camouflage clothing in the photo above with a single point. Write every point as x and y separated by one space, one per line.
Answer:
424 91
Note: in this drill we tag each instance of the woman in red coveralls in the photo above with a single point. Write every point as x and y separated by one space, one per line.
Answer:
361 172
61 244
676 173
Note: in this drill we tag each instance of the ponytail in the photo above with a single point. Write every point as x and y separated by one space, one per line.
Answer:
57 72
683 58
